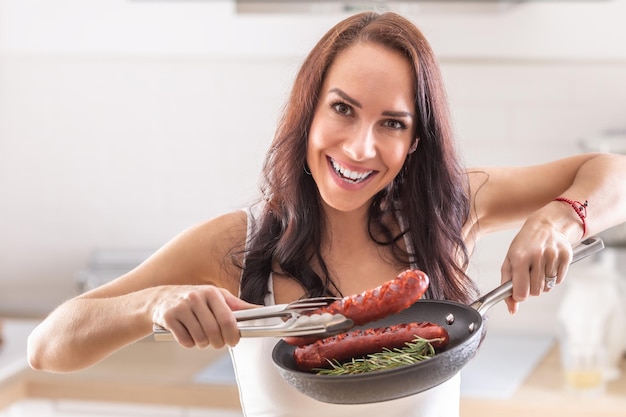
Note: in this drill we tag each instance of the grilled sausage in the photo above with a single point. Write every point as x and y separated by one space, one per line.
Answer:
358 343
389 298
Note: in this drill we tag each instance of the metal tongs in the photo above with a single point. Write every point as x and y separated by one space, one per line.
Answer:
296 322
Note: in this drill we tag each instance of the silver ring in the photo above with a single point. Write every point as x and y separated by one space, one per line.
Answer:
550 282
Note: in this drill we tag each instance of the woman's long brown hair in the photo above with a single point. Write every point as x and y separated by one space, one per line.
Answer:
430 192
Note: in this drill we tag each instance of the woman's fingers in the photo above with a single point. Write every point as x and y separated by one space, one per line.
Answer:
217 319
565 260
535 266
200 316
506 273
556 264
183 326
547 271
207 330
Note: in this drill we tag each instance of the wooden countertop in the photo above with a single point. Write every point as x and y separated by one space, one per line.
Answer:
543 394
146 372
151 372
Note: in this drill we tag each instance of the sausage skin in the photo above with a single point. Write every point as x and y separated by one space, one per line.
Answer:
359 343
389 298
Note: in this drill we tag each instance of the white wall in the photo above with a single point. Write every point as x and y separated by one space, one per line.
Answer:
124 122
534 29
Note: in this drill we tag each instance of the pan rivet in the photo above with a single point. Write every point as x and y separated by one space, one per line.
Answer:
450 318
472 326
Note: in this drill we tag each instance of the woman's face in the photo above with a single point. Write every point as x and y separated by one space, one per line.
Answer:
363 125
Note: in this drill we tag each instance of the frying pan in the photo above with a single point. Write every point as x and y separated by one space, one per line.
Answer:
464 324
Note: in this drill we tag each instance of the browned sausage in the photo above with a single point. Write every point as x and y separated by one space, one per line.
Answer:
389 298
359 343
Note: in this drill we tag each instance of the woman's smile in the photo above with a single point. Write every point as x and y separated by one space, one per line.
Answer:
350 176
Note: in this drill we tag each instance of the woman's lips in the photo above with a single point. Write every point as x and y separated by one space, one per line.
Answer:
349 176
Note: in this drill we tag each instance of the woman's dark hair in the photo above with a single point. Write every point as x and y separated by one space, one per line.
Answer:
430 192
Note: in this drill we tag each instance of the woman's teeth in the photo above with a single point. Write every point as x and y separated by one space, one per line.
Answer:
346 174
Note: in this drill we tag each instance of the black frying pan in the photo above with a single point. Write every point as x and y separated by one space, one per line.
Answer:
466 329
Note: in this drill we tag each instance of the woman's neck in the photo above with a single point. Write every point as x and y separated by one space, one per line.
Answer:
345 227
355 260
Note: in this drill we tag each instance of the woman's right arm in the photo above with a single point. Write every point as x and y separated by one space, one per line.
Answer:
187 286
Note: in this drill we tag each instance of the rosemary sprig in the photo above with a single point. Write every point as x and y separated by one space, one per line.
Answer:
418 349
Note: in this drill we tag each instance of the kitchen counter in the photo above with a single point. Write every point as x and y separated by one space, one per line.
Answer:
543 394
146 372
151 372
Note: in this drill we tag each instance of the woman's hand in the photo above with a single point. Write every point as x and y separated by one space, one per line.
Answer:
538 259
199 315
507 197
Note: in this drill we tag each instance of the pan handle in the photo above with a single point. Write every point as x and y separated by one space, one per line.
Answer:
585 248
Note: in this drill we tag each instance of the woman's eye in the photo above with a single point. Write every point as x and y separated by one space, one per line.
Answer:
395 124
342 108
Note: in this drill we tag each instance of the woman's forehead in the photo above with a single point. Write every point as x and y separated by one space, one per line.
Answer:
371 68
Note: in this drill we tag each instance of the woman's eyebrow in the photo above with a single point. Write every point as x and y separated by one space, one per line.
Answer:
356 103
346 97
398 114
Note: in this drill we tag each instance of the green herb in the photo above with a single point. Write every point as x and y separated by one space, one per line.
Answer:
417 350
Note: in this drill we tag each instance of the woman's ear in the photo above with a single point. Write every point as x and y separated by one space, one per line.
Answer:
413 146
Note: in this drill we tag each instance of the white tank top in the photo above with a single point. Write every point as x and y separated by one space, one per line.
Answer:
264 393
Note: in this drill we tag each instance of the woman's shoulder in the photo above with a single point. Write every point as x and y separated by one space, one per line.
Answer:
222 233
208 252
228 222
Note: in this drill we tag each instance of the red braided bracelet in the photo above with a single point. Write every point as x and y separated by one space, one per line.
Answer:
579 208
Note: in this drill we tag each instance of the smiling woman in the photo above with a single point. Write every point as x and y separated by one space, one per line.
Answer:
362 181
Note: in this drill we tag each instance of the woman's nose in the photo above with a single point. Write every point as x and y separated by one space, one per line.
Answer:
361 145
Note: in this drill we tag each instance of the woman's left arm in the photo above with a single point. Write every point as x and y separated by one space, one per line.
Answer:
526 196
